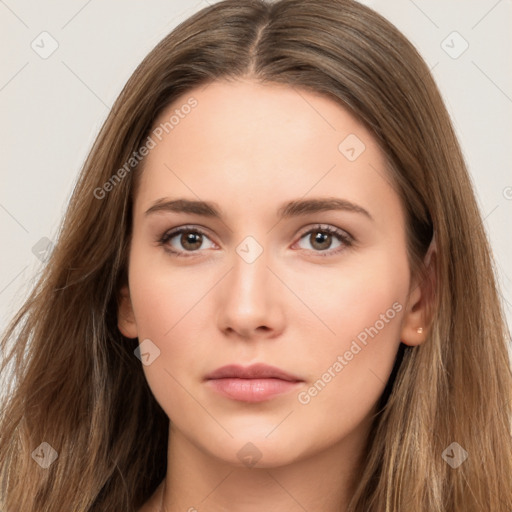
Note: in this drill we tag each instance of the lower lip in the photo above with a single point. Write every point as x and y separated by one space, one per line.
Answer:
252 390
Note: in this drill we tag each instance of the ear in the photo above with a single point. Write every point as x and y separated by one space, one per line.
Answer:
417 318
125 317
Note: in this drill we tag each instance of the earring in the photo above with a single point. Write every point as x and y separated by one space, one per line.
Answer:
419 330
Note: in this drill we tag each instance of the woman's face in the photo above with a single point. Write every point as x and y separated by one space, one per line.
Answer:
298 262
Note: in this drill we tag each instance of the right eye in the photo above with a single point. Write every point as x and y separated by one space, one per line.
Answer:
184 239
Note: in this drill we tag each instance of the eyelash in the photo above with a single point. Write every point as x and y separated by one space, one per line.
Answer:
346 239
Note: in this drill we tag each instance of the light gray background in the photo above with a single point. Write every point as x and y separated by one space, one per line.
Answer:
52 108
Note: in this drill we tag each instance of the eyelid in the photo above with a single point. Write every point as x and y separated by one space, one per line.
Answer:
325 227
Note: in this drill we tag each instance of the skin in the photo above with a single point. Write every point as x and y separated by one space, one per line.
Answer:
249 148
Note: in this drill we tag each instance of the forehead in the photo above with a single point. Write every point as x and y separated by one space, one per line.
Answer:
232 113
244 140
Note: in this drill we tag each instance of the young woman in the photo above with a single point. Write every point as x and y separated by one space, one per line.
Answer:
272 289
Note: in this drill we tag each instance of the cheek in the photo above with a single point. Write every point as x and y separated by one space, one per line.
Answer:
351 297
360 310
162 293
164 302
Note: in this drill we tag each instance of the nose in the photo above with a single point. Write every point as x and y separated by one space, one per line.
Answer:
251 301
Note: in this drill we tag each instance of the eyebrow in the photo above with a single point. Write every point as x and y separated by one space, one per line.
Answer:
290 209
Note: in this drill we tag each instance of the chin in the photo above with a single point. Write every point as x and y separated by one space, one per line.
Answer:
256 451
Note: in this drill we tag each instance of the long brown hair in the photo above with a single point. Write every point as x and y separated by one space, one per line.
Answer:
74 381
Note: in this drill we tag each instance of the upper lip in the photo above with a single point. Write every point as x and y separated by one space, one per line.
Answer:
254 371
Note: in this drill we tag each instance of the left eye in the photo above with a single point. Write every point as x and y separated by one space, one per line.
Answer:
321 239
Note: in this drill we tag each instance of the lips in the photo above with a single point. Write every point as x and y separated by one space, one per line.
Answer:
255 371
254 383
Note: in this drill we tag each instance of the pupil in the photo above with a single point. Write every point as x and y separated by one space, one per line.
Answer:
191 239
321 238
